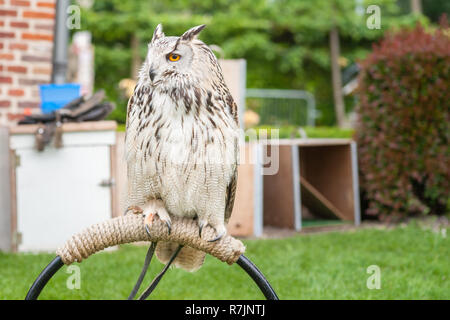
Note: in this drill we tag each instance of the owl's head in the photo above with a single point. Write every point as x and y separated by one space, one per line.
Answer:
175 62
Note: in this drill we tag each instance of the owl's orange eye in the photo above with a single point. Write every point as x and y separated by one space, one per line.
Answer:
174 57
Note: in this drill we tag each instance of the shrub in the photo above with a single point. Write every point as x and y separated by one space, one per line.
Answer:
403 128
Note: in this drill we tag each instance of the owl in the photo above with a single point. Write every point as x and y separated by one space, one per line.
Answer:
182 140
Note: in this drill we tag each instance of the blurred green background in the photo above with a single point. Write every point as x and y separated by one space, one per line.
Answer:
285 42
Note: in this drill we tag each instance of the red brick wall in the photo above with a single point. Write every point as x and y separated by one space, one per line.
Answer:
26 42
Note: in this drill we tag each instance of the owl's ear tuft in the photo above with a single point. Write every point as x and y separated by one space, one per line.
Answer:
158 33
192 33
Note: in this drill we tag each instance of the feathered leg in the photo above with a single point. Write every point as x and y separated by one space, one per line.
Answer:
156 207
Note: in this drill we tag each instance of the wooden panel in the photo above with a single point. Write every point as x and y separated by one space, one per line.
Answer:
234 73
317 203
328 169
278 191
115 205
242 218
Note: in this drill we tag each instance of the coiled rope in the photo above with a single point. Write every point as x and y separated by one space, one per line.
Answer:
131 228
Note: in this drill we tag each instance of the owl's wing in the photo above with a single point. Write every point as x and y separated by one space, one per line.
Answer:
231 189
138 110
138 186
136 100
231 193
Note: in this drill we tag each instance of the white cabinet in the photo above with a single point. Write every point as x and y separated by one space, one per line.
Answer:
60 191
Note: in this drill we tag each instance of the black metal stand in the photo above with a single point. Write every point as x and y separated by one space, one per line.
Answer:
43 278
243 262
258 277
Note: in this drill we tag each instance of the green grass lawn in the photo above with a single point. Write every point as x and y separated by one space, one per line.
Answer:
414 264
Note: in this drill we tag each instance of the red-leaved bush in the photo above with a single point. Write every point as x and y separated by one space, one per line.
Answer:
403 129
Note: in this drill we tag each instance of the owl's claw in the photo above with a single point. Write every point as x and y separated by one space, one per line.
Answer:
156 208
147 230
221 230
219 236
133 210
201 224
149 220
169 227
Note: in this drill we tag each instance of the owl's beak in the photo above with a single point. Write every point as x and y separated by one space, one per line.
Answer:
152 73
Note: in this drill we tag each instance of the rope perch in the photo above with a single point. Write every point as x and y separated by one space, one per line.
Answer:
130 228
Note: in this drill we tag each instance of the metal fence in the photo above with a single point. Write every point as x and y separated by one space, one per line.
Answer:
280 107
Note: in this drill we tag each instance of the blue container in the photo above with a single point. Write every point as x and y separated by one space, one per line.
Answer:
56 96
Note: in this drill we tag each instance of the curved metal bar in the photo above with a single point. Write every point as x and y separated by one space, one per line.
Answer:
43 278
243 262
258 277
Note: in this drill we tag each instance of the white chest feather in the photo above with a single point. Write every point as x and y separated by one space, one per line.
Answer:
185 159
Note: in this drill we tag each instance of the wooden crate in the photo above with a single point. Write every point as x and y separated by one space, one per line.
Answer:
246 219
320 174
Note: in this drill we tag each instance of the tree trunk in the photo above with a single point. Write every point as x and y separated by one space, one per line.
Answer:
416 6
336 77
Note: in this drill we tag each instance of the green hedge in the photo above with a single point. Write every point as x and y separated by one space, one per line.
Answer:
403 130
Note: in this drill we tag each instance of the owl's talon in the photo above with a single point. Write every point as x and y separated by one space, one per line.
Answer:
220 236
169 226
148 220
147 230
201 224
156 208
151 217
133 209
